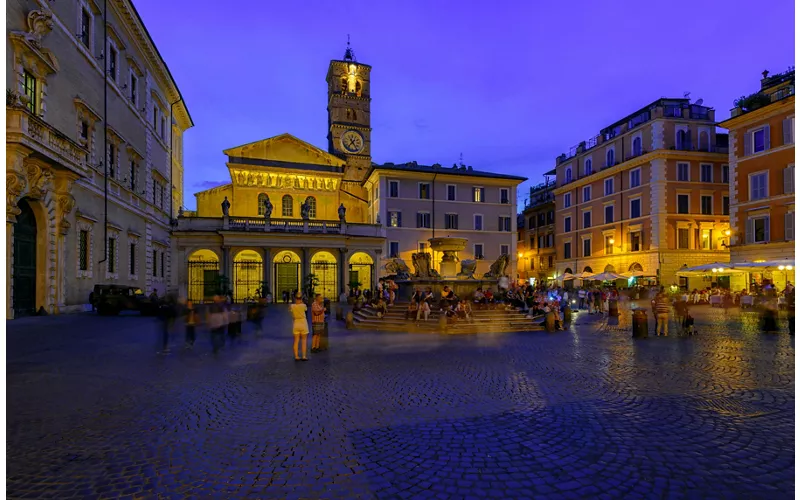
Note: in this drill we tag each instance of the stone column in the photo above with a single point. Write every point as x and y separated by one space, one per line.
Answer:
267 270
225 269
344 275
305 267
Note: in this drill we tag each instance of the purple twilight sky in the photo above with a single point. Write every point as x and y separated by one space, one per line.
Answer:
509 86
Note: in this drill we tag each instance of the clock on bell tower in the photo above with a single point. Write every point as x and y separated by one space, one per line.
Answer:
349 131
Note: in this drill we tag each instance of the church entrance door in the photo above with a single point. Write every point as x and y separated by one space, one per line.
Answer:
25 261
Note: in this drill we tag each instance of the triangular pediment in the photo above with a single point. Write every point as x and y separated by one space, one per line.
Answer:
285 148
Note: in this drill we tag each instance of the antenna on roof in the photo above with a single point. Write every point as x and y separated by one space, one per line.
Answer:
699 102
686 95
461 159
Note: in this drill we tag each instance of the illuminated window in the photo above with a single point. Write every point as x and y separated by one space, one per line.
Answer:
395 219
262 204
287 206
312 207
30 91
705 239
344 85
358 88
478 194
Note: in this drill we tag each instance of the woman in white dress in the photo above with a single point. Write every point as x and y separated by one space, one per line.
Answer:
299 327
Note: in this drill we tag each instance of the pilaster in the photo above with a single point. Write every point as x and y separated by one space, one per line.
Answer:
343 273
658 204
267 268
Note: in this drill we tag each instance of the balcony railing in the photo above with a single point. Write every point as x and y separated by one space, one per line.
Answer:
259 224
23 126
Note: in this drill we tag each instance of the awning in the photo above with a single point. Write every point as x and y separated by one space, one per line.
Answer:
770 265
607 277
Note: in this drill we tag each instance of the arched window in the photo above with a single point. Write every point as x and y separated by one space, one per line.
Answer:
355 115
703 142
682 140
568 175
568 270
262 204
587 166
287 206
358 88
637 146
610 158
312 207
587 269
609 269
635 267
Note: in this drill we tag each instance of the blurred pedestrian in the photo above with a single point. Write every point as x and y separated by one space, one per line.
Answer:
317 322
299 327
255 314
216 322
662 314
190 318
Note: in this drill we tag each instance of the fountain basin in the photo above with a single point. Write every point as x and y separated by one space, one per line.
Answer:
448 268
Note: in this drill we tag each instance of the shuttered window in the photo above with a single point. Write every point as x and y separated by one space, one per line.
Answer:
788 131
788 226
757 230
788 180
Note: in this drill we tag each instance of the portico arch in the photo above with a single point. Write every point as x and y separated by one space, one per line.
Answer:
361 269
587 269
286 272
324 267
248 272
609 269
203 272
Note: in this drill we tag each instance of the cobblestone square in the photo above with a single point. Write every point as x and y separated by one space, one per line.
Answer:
93 412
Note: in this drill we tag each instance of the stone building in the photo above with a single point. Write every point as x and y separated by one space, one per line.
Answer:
293 210
648 195
63 131
761 157
536 248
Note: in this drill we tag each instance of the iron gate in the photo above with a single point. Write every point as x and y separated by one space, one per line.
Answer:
286 279
203 280
325 272
247 278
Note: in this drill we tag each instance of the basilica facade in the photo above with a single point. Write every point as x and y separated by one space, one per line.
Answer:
293 210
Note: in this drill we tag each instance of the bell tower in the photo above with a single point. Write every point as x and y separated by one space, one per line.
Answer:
349 131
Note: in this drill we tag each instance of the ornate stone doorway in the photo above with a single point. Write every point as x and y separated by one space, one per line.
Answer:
25 261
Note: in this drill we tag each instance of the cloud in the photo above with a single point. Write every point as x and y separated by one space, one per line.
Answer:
209 184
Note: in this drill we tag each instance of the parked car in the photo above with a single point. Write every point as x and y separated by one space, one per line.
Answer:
110 300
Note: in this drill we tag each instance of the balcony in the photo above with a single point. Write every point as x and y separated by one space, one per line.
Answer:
759 100
25 128
259 225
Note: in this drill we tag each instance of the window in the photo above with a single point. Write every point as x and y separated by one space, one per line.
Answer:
504 224
112 160
567 200
422 247
83 251
29 84
568 175
683 171
726 205
86 26
155 117
706 203
532 223
132 258
477 250
134 84
162 264
788 226
85 131
587 193
759 140
532 243
757 230
587 247
788 180
587 219
550 261
394 248
568 250
610 158
132 176
311 202
706 173
478 194
478 222
609 213
683 238
504 250
682 140
112 63
112 251
163 128
504 196
636 148
635 178
451 192
788 130
155 263
395 219
683 203
287 206
636 208
551 217
636 241
705 239
424 191
725 174
451 221
758 186
394 189
424 219
609 243
567 224
541 242
155 192
608 186
587 166
262 204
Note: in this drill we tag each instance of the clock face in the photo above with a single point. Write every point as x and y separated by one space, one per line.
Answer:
352 141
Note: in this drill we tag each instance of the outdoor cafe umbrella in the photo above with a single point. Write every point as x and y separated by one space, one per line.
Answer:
607 276
585 275
568 277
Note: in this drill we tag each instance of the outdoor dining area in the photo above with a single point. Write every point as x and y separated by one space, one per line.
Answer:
754 275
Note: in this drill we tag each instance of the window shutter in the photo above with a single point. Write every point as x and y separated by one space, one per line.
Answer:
787 131
748 138
766 138
749 231
788 181
766 230
399 219
788 226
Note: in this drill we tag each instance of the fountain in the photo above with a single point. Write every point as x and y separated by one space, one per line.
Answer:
448 247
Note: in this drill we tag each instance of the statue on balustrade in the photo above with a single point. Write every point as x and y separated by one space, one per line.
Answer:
267 208
468 267
304 210
342 212
422 266
397 267
226 206
498 268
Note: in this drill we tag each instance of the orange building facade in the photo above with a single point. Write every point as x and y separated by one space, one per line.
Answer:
536 247
761 159
648 194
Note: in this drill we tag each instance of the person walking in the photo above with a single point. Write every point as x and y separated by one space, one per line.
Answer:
256 315
167 311
317 322
216 323
662 315
299 327
190 318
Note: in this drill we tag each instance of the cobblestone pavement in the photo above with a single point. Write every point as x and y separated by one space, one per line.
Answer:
585 413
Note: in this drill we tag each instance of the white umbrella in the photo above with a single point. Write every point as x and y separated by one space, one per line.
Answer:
770 264
607 277
584 275
568 277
